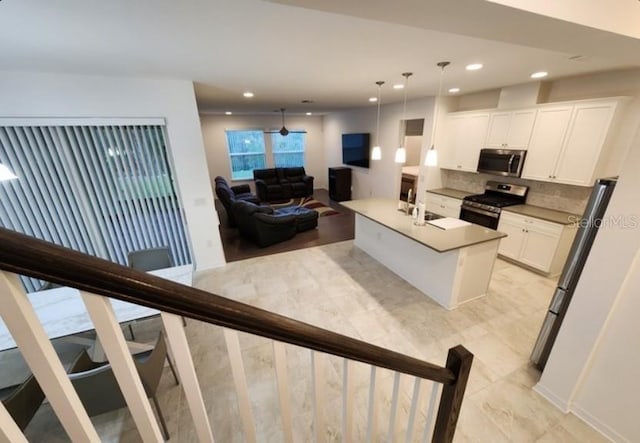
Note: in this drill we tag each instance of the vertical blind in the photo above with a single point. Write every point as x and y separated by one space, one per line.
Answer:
102 189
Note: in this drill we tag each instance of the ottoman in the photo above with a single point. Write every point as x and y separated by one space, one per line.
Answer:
305 218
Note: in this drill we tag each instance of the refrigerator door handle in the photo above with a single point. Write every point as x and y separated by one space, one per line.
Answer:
556 301
543 338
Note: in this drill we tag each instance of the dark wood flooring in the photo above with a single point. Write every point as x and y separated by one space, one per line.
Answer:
332 228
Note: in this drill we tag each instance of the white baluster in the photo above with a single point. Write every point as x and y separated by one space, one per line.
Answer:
240 381
348 388
115 347
177 341
9 430
373 407
21 320
428 427
415 401
319 423
393 413
280 358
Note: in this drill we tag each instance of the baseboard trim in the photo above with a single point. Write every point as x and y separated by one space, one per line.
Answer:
597 425
600 427
556 401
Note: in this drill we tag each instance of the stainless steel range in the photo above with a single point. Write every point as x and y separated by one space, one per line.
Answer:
484 209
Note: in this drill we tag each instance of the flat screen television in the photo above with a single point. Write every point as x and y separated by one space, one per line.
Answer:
355 150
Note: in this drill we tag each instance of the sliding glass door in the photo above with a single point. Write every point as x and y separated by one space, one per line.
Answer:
105 189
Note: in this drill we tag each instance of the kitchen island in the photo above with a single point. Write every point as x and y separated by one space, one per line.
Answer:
451 266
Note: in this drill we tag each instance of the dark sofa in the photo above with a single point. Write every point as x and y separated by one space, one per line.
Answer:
228 194
282 183
265 226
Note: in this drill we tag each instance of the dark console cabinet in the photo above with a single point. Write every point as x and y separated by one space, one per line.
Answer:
340 184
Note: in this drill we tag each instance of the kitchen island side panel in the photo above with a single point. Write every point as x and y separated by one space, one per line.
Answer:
449 278
433 273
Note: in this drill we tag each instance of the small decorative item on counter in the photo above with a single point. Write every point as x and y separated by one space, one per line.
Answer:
419 220
415 213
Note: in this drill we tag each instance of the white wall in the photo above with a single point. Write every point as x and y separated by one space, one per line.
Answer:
215 141
28 94
610 393
602 392
382 178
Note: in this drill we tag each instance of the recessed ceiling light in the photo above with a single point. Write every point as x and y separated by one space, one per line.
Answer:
247 94
473 66
309 113
373 99
539 74
454 90
398 86
228 113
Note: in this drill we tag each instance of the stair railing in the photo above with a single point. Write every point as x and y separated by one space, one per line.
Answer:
98 280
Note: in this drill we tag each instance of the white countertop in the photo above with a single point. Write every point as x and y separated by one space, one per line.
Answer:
385 212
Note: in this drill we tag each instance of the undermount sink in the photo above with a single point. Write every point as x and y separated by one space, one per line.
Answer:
428 216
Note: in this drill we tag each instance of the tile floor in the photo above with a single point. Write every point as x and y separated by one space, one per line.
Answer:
340 288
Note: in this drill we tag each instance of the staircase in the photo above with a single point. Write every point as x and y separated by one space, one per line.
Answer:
347 376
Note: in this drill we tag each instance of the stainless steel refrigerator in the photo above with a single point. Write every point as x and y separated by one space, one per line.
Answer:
587 230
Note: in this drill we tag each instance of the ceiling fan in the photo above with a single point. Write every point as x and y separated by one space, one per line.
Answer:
284 131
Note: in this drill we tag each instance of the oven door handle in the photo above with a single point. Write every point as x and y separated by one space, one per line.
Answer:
481 211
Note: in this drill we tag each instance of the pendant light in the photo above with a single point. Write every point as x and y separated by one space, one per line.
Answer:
431 159
6 173
376 152
401 152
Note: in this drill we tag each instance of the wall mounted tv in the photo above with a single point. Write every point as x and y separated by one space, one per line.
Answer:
355 150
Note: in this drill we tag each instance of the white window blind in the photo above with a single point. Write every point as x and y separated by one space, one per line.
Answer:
101 189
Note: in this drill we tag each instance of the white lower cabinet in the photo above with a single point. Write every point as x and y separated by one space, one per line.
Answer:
442 205
537 243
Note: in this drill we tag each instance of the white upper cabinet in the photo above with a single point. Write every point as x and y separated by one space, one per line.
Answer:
546 142
465 136
584 143
568 143
510 130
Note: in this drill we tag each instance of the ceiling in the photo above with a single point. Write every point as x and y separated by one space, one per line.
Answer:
328 51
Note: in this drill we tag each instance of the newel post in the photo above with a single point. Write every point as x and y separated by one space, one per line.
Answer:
459 361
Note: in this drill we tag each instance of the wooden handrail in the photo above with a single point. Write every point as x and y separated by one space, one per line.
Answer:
29 256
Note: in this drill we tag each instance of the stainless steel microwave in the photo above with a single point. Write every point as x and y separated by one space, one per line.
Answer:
505 162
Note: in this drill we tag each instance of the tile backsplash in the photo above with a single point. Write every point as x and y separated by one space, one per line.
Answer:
566 198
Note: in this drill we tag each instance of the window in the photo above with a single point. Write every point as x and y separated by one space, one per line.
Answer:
288 151
246 153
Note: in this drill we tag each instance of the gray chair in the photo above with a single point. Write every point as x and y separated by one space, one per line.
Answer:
150 259
146 260
23 401
98 388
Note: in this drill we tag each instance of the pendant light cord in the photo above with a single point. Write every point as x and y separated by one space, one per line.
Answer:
406 76
379 83
436 108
